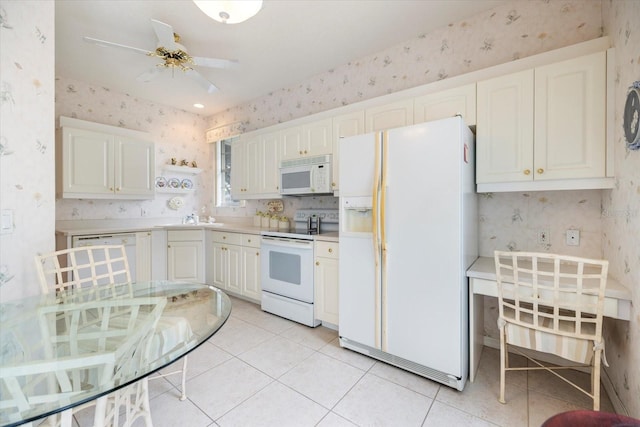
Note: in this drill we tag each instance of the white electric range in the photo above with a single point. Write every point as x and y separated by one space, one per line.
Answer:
287 265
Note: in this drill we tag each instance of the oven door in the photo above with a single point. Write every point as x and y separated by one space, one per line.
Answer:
287 267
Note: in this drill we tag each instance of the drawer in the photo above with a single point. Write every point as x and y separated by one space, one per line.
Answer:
228 238
251 240
184 235
327 249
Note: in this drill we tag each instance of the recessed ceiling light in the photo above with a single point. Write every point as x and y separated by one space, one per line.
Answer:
198 105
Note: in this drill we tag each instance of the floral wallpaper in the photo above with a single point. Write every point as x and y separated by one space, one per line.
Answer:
515 30
27 52
621 207
177 134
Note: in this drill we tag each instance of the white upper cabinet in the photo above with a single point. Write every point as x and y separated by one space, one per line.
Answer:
394 115
345 125
544 128
504 133
447 103
311 139
255 161
104 162
570 128
269 164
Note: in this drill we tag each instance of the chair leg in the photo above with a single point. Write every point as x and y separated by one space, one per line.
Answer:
184 379
595 380
503 362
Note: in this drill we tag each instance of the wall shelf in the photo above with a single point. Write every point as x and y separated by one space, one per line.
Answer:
174 190
182 169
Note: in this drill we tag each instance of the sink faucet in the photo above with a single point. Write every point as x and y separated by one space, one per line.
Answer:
190 219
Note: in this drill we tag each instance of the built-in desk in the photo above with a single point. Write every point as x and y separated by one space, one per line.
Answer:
482 282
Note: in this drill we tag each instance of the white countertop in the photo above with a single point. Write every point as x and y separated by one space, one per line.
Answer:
108 226
485 268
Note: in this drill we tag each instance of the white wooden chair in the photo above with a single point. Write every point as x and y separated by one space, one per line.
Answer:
90 268
552 304
72 349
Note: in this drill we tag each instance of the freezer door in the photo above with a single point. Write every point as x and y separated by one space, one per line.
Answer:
357 160
359 309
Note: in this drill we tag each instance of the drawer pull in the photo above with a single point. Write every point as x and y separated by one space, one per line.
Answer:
317 262
330 250
540 171
527 171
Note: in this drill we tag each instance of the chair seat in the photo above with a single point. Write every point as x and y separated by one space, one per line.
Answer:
171 332
575 349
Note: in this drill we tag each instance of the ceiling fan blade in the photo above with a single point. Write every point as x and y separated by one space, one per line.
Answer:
211 88
149 75
116 45
164 32
215 63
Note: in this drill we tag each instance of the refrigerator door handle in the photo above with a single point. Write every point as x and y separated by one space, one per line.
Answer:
376 244
383 240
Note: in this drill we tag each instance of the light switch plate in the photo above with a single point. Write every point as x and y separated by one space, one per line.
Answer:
6 221
573 237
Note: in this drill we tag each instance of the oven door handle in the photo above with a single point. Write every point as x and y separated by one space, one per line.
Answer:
274 241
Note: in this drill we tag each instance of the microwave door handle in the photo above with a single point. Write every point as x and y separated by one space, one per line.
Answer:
312 177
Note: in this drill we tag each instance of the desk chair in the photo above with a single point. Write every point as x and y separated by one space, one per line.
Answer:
552 304
68 353
90 268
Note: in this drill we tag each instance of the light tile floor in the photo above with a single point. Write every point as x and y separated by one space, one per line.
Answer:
262 370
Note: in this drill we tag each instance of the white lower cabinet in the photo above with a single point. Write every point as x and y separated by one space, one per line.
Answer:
143 256
326 282
250 267
185 255
234 263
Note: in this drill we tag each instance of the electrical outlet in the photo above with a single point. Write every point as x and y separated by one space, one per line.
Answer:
543 237
573 237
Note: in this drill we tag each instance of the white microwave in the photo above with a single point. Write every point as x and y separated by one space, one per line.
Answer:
309 175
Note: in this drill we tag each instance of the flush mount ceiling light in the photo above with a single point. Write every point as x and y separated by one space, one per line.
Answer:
229 11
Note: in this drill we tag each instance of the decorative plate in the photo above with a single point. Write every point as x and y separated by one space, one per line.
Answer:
632 117
187 184
161 182
174 183
176 203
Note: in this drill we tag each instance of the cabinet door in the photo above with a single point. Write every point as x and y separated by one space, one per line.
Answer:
219 272
143 257
184 261
447 103
270 163
252 166
134 167
570 104
87 162
251 273
326 291
389 116
317 138
238 169
291 143
346 125
504 130
234 264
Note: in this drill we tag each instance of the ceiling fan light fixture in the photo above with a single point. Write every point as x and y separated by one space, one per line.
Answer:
229 11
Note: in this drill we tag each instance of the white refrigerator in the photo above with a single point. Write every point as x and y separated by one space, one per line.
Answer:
408 233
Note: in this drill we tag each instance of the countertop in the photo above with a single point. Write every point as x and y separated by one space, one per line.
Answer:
108 226
485 268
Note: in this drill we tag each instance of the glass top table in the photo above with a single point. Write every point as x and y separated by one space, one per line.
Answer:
194 312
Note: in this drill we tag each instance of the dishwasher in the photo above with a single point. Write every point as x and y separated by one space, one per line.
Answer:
128 240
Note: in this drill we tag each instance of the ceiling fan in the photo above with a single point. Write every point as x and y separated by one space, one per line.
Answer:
173 54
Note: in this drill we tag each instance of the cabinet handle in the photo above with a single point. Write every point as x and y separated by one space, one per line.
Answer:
333 184
330 250
300 151
540 171
305 151
110 188
169 246
257 253
249 240
527 171
118 189
224 237
317 262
